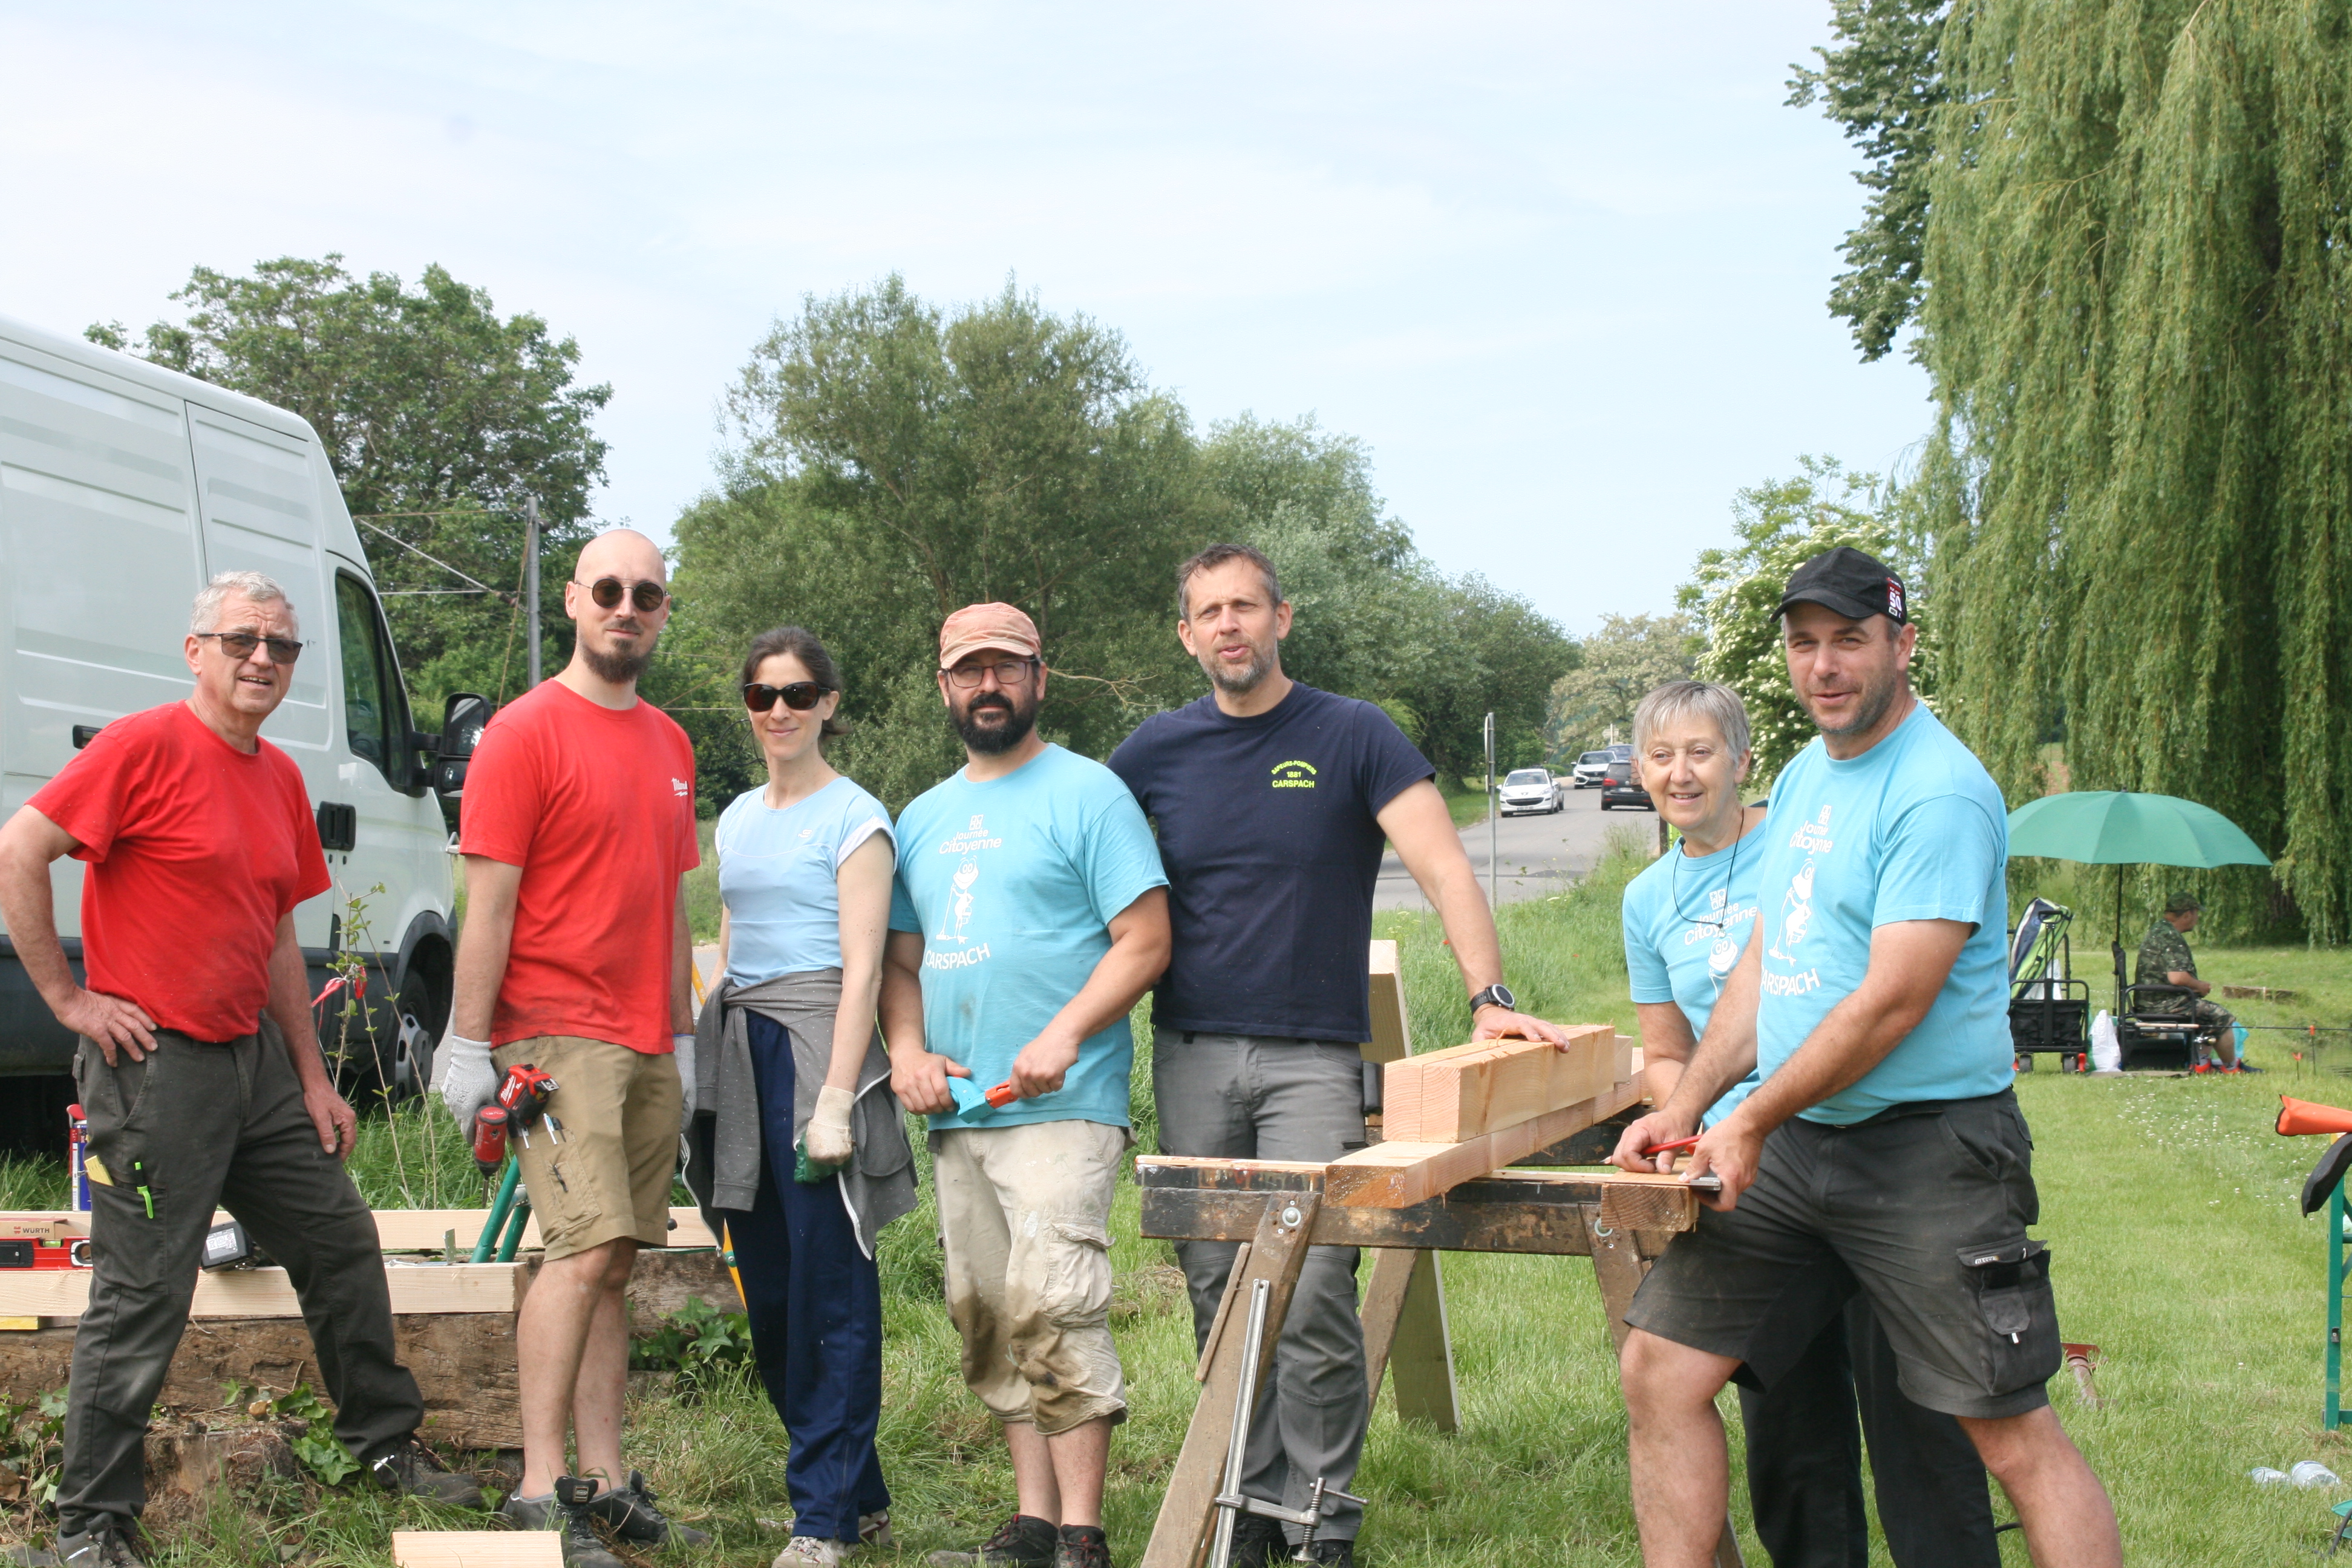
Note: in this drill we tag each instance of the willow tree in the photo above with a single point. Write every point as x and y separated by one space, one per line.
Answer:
2135 278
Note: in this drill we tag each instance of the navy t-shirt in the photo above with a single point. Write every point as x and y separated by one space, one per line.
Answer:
1267 830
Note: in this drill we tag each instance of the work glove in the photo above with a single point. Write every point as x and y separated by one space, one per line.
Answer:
681 1046
827 1139
464 1077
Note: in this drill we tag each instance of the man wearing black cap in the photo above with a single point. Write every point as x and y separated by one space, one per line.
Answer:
1884 1148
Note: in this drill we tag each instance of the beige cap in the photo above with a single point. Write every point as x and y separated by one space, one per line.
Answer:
991 626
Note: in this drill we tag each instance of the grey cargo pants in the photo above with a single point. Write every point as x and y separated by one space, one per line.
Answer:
1246 1096
201 1125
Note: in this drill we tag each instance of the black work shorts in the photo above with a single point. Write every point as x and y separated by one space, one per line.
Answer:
1927 1207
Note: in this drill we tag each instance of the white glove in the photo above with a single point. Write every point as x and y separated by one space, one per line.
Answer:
681 1046
827 1138
465 1078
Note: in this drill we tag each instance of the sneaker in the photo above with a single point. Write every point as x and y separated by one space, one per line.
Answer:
565 1508
1343 1552
630 1513
410 1470
1025 1541
1082 1546
874 1529
812 1552
1257 1541
105 1545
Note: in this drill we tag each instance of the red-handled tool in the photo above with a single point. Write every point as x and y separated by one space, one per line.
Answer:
1003 1095
1690 1142
490 1139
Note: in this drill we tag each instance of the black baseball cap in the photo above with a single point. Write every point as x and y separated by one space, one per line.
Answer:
1851 582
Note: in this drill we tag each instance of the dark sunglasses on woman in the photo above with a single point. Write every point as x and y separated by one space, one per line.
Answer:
646 593
799 696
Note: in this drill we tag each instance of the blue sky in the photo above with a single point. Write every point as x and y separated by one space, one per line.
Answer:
1561 265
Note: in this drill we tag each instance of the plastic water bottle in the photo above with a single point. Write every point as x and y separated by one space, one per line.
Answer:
2264 1476
2312 1473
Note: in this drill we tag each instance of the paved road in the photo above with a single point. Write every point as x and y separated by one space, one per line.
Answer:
1540 855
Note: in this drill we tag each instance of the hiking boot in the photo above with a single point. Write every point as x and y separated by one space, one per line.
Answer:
1025 1541
813 1551
1257 1541
566 1509
410 1470
1082 1546
108 1544
1343 1552
629 1512
874 1529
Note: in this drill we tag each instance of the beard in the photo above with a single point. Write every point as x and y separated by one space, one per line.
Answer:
1876 696
994 739
620 669
1247 678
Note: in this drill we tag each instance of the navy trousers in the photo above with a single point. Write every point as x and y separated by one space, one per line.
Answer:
815 1305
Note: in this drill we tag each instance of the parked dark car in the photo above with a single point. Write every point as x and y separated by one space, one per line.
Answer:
1621 786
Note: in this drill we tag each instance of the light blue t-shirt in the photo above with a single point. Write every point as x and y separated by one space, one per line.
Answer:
1688 918
1913 829
779 875
1013 884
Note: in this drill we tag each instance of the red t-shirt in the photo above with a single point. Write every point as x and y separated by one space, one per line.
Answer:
196 850
596 806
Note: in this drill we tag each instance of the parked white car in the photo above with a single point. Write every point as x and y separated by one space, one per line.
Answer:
1590 769
1528 790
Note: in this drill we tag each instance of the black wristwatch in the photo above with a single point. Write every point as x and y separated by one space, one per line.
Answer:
1496 996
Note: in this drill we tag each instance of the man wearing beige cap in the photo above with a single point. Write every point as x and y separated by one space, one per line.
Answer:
1030 914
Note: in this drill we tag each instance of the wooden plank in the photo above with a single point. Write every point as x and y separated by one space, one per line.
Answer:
397 1230
1395 1173
1392 1024
1466 1092
478 1548
1188 1508
1660 1202
55 1293
1405 1331
1224 1310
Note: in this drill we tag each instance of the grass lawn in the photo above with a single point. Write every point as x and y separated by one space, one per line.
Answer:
2167 1203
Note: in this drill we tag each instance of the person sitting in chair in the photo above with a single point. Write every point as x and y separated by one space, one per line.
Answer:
2165 960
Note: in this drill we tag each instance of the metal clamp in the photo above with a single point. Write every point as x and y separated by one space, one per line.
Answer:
1231 1502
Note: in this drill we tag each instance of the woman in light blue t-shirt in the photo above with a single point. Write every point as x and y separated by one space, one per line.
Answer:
1688 918
811 1154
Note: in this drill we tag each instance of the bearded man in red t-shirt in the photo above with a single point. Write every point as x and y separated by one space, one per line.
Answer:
198 1066
578 829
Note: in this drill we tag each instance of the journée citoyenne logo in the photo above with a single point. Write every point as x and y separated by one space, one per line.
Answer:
1293 775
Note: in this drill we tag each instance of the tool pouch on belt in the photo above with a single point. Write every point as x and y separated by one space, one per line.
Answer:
2011 1285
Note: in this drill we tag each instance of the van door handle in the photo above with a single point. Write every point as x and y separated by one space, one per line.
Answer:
338 825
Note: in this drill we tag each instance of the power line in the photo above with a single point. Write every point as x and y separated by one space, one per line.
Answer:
436 560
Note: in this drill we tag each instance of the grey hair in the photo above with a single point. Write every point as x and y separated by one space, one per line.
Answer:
205 614
1720 705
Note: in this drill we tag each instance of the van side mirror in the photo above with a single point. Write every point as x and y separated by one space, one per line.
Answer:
462 722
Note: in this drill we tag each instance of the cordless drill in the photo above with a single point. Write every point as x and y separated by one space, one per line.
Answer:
521 1104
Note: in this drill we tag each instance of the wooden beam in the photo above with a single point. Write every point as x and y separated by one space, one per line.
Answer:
1391 1024
1395 1173
397 1230
1405 1329
1277 1253
1466 1092
55 1293
478 1548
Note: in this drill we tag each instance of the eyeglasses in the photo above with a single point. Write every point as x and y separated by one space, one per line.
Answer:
239 645
799 696
646 593
1009 672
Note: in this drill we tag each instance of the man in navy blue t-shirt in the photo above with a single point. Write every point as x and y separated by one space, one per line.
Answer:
1272 801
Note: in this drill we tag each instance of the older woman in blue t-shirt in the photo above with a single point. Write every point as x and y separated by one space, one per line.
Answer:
808 1149
1688 918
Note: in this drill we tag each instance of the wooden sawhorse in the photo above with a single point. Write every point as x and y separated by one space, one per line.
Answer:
1276 1208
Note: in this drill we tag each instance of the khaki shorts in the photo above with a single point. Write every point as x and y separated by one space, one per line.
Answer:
608 1174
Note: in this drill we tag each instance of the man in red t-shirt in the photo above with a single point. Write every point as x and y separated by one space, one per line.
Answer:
198 1066
577 831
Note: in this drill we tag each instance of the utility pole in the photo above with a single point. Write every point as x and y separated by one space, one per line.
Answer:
1494 825
530 579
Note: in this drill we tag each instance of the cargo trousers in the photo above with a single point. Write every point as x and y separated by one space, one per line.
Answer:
1246 1096
195 1126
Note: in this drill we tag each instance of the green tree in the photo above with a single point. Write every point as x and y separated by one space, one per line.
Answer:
439 417
1883 82
2138 252
1733 591
1627 658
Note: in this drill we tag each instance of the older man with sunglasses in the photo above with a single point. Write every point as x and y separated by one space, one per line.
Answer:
198 1066
577 832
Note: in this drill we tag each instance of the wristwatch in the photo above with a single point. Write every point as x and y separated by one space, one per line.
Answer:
1496 996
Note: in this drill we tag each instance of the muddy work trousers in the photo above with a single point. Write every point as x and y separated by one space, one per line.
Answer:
194 1127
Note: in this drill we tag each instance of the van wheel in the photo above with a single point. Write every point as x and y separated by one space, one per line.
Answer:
422 1012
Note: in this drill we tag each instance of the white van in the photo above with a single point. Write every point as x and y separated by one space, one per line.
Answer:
123 486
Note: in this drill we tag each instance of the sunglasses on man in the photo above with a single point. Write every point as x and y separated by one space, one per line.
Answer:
646 593
239 645
799 696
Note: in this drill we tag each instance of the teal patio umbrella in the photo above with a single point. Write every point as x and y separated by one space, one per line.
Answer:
2120 828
